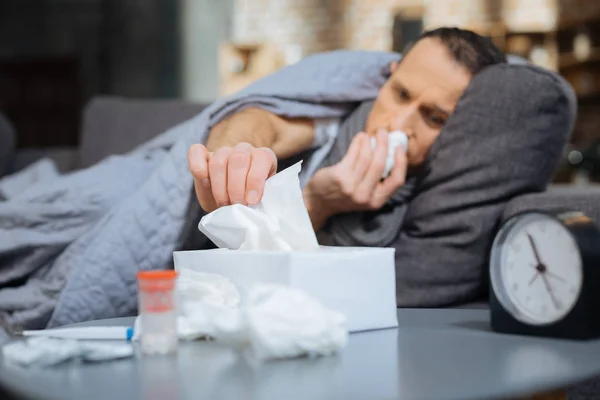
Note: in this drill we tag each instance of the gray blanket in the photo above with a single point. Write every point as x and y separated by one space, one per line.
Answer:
70 249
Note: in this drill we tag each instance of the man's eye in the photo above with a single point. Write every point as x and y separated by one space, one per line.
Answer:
403 94
437 120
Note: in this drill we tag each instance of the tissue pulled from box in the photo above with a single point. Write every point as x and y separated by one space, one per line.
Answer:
45 351
274 322
279 221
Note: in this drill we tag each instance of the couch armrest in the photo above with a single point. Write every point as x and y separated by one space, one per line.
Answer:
114 125
586 199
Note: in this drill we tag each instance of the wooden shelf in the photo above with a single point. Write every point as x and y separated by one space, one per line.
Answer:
568 60
560 26
577 22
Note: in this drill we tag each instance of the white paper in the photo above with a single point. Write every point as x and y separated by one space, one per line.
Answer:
45 351
395 139
279 221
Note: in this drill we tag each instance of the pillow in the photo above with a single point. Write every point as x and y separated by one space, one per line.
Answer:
504 139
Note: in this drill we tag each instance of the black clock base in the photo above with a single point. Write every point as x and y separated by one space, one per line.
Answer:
581 321
575 326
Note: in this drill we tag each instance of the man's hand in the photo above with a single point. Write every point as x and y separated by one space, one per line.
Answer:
354 184
241 153
230 175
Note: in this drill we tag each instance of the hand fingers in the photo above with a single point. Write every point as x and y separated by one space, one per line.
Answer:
353 151
397 178
262 166
237 171
198 164
364 158
217 167
376 167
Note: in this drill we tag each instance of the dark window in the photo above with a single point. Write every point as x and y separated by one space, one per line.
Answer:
405 30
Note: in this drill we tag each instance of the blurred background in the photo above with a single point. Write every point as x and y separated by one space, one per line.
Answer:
58 55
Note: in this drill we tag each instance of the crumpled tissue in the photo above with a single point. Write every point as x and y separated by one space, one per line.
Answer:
279 221
274 322
395 139
285 322
46 351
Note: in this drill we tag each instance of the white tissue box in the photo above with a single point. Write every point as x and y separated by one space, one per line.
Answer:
359 282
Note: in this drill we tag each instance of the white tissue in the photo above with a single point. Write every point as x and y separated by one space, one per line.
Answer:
45 351
395 139
279 221
274 322
285 322
208 289
207 304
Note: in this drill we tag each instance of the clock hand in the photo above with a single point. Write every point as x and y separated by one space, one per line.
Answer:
553 275
534 278
550 273
534 247
550 292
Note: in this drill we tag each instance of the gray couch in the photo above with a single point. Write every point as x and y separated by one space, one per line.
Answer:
110 125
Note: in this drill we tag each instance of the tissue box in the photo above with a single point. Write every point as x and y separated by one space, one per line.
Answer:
359 282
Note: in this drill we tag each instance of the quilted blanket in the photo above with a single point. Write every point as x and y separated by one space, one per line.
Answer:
70 248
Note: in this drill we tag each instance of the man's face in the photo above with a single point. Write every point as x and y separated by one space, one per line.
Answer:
419 96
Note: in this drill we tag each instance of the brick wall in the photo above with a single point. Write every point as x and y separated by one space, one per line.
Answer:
369 23
314 25
317 25
474 14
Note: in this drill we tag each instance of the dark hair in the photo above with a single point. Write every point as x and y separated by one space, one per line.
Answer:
472 51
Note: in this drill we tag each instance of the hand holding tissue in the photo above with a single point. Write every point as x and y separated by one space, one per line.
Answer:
279 221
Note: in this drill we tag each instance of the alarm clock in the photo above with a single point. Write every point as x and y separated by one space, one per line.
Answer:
545 276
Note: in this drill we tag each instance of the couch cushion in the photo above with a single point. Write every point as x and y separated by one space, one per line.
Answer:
113 125
505 139
556 198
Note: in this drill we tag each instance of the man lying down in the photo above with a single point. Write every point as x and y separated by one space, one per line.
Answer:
441 202
479 132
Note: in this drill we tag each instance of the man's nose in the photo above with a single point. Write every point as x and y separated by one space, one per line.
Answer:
404 120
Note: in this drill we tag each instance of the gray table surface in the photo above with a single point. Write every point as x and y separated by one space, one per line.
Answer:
434 354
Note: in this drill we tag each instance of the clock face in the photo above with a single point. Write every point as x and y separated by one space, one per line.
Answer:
536 270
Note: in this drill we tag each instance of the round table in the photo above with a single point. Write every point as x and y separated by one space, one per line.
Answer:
433 354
